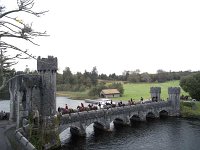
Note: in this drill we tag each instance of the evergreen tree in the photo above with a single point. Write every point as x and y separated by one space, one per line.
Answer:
94 76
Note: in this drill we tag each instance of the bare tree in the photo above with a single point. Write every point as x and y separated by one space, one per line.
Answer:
13 27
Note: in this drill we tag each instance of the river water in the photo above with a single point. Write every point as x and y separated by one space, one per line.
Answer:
167 134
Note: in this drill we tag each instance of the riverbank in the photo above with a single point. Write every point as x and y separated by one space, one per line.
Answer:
190 109
75 95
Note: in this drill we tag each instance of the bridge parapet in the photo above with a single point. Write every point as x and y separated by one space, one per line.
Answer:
112 111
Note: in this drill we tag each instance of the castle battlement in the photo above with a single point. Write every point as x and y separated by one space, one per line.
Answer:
155 90
47 64
174 90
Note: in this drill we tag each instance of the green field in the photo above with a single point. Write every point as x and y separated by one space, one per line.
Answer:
138 90
131 90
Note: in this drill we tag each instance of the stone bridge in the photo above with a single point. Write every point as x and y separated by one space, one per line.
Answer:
34 97
78 122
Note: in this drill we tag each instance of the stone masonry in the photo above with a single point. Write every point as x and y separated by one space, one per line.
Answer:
155 92
31 92
47 68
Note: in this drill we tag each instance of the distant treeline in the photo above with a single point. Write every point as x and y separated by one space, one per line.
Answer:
76 82
136 76
90 78
67 81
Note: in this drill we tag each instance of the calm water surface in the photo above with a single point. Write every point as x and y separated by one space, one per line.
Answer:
5 105
168 134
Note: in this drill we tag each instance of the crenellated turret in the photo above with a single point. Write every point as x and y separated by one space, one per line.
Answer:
47 64
47 68
155 93
174 97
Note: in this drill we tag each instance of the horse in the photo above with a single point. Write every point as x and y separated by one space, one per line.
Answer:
67 111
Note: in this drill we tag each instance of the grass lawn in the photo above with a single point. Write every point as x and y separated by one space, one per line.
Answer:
131 90
138 90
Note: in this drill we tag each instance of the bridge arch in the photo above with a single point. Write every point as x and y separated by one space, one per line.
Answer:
163 114
135 118
118 121
150 116
101 125
76 131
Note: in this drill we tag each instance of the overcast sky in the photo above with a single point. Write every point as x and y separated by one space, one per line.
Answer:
118 35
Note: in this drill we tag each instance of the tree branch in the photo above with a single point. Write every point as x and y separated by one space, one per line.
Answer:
17 49
9 12
15 28
4 83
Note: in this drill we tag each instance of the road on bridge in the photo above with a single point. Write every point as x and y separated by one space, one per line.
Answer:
4 143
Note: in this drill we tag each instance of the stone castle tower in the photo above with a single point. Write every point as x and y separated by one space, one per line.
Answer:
30 92
47 68
155 93
33 102
174 98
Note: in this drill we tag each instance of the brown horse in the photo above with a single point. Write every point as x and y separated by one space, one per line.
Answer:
67 111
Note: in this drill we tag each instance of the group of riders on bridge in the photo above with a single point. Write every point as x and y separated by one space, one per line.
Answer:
81 108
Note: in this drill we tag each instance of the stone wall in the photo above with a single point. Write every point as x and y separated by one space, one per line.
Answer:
25 91
30 94
23 141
